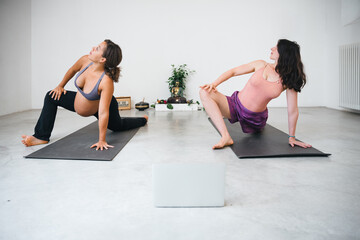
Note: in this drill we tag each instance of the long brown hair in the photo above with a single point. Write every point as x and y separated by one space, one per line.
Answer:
113 57
289 65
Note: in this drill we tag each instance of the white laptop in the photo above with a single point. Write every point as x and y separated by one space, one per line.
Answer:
189 184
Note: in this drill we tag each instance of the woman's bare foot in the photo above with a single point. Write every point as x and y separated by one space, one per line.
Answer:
224 141
146 117
32 141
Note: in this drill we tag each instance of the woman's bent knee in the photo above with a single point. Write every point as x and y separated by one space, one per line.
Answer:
47 96
203 93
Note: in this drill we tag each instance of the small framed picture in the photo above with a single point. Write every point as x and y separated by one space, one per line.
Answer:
124 103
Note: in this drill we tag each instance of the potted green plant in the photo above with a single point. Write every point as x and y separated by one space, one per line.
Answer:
177 83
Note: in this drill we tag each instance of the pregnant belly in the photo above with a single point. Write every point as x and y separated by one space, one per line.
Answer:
85 107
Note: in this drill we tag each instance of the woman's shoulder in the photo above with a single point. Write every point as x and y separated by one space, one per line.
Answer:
258 64
84 61
81 63
106 81
107 84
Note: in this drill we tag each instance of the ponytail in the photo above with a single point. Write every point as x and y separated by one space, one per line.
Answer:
112 72
113 57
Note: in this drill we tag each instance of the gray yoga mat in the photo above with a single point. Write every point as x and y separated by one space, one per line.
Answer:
76 146
271 142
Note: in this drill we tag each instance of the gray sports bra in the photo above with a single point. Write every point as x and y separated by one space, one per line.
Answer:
93 95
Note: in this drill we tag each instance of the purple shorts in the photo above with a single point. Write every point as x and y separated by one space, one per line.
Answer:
250 122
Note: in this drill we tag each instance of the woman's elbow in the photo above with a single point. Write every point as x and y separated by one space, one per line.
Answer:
103 115
294 112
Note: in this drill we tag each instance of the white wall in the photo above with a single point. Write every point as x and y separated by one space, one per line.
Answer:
336 35
210 36
15 61
44 38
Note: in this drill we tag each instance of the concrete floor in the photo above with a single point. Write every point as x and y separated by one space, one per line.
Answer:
281 198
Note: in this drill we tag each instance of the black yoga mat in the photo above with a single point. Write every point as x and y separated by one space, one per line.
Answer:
271 142
76 146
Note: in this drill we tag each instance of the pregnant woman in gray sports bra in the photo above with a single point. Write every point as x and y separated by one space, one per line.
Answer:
95 83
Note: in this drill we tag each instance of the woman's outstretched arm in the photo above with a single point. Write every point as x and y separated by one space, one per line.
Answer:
56 92
237 71
107 89
293 114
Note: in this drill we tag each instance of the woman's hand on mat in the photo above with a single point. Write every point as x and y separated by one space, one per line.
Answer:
101 145
209 87
293 142
56 92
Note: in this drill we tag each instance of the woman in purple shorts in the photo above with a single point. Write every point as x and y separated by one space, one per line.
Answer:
249 106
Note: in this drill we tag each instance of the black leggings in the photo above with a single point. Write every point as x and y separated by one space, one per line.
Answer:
46 121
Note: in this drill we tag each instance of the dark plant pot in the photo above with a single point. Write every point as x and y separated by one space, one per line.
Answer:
176 100
141 106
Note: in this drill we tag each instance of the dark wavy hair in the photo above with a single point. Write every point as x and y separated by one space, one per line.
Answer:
289 65
113 57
